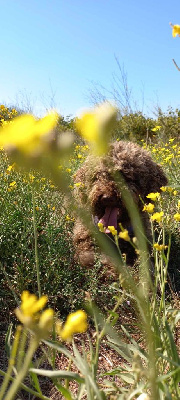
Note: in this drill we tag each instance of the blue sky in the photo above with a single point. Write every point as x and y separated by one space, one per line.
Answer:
52 51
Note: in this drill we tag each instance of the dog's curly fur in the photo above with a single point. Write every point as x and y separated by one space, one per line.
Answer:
99 193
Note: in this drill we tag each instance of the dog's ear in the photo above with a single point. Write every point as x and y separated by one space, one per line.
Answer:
150 178
156 178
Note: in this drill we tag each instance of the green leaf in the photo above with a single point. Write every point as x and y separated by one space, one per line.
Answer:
175 355
65 392
35 381
58 374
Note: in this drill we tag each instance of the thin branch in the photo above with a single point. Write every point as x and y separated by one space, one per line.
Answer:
176 64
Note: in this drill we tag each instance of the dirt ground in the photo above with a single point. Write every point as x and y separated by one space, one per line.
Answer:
108 358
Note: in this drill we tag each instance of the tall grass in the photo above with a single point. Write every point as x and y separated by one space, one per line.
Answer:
37 255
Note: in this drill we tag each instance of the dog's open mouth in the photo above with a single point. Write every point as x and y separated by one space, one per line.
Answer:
110 218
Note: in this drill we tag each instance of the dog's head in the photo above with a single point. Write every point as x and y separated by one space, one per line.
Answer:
102 179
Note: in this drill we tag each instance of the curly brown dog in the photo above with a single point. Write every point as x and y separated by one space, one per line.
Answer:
98 192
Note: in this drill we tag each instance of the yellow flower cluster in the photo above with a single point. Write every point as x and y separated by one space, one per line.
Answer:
28 314
6 115
41 323
160 247
122 235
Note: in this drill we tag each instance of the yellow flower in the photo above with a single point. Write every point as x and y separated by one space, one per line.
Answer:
160 247
124 235
112 230
153 196
175 30
177 217
26 133
157 216
163 188
12 184
95 126
28 314
78 184
157 128
10 168
149 207
31 177
175 193
68 218
75 323
101 227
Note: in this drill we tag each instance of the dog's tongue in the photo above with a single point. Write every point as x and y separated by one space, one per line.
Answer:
109 218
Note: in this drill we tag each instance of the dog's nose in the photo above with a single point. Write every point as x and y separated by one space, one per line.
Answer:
106 200
105 197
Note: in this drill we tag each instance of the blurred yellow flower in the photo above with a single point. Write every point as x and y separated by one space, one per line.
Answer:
26 133
175 30
12 184
75 323
78 184
163 188
149 207
160 247
124 235
10 168
153 196
112 230
177 217
31 178
101 227
95 126
158 216
28 314
157 128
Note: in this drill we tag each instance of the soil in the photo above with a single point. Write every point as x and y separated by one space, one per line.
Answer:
108 359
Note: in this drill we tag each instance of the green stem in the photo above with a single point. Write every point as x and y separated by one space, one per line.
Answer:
11 362
23 372
101 334
26 388
36 246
